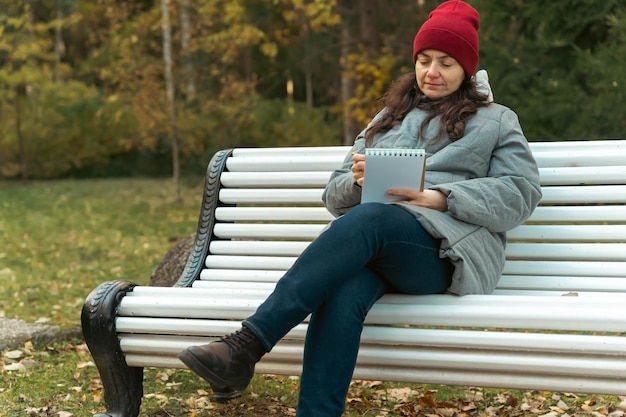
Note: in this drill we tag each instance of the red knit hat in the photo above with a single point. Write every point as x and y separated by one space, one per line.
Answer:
452 28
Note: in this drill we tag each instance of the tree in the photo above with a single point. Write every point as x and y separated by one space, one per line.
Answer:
169 89
24 71
83 82
52 122
539 55
378 48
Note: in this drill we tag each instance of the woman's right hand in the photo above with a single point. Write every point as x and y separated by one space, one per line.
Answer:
358 167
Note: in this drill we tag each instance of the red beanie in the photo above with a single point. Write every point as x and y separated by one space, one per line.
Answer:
452 28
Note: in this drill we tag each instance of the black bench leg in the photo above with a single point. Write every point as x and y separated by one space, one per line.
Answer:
122 384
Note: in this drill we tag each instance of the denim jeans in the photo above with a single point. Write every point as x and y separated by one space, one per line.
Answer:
373 249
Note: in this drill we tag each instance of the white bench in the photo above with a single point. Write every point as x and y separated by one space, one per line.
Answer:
557 320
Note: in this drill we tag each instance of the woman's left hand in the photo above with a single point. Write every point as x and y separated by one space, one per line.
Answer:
432 199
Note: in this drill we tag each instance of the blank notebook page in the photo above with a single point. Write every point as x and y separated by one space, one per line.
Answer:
387 168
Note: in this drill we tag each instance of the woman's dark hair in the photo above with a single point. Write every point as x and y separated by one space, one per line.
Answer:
404 95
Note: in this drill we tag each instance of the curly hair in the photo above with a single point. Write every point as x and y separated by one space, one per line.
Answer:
404 95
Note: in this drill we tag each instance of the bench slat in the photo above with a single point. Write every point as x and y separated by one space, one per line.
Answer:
311 214
609 194
532 233
267 231
308 151
516 251
567 252
575 214
317 179
152 329
441 358
562 283
484 378
301 214
509 284
271 196
572 268
512 267
235 275
283 163
242 247
554 313
568 233
608 146
231 291
284 159
549 176
581 157
583 175
249 262
599 194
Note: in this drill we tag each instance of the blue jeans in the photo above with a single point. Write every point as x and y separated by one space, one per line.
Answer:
373 249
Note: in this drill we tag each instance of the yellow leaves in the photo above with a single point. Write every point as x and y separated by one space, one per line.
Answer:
371 78
227 44
233 11
322 13
269 49
315 15
290 15
18 22
229 31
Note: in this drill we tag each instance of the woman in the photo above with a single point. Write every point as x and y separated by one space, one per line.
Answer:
481 180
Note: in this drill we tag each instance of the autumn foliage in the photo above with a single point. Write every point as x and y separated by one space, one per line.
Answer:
84 83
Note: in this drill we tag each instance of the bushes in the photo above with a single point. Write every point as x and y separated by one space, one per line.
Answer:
78 134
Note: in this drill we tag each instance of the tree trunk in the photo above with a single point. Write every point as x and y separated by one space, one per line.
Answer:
370 37
308 71
169 90
308 83
58 43
186 54
350 127
21 145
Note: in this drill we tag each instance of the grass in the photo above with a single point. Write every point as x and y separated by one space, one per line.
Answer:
60 239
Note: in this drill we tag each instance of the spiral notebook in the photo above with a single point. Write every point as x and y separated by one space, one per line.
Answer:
387 168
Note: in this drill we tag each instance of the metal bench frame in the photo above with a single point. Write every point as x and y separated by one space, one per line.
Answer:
557 320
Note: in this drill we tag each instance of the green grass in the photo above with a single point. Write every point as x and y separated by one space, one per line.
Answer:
60 239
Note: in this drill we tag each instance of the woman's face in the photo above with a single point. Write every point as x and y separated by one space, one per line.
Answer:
437 73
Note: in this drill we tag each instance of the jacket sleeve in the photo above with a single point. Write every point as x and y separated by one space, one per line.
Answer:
509 193
342 192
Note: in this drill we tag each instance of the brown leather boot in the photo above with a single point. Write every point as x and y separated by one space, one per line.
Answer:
227 364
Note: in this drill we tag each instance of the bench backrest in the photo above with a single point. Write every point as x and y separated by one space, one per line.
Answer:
269 209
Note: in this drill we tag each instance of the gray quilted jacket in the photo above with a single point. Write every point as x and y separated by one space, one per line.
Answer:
490 178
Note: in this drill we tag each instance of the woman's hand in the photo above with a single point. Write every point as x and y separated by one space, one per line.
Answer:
358 167
432 199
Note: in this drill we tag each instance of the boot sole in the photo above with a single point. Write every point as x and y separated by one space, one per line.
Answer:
223 389
224 395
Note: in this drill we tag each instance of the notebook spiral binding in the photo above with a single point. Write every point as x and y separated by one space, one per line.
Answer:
394 152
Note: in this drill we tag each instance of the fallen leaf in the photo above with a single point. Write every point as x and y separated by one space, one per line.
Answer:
82 365
14 354
15 367
400 394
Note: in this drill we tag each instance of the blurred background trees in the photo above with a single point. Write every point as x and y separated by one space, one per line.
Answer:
83 82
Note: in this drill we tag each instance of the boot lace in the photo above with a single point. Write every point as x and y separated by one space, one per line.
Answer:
240 339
